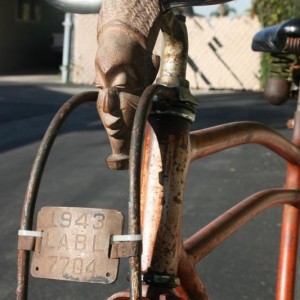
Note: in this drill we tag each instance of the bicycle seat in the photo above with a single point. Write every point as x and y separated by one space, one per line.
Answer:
273 38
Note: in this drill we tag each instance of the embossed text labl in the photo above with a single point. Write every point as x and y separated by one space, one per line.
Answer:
75 244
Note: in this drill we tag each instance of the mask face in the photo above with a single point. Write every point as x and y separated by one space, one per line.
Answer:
117 114
123 70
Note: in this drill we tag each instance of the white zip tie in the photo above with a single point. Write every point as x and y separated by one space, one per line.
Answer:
30 233
126 238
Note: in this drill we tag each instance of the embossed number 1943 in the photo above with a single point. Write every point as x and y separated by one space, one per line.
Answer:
75 244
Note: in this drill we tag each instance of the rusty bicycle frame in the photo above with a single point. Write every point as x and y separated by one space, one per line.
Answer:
154 141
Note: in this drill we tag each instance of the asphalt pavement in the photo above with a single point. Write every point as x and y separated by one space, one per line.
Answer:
244 267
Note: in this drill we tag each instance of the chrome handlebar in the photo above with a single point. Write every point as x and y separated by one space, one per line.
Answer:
77 6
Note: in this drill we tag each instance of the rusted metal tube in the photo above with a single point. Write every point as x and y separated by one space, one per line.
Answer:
135 159
212 235
164 175
35 179
173 67
285 288
174 58
208 141
191 287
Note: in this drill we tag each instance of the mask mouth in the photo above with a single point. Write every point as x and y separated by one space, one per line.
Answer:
116 107
77 6
117 130
115 123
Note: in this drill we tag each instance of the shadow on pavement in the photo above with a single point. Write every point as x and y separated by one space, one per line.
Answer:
26 111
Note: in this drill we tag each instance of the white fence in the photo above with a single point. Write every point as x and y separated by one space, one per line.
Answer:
220 55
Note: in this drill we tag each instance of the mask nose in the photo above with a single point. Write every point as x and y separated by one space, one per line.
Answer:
111 102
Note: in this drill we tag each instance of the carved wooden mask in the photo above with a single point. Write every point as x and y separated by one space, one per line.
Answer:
124 68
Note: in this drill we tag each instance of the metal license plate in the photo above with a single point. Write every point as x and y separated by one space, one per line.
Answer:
75 244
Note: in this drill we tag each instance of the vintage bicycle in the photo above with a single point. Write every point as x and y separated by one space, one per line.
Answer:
149 130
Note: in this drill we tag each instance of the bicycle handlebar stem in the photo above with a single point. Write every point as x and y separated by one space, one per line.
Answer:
166 160
173 67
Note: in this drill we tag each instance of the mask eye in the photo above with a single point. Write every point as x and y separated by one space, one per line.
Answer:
99 80
124 78
119 80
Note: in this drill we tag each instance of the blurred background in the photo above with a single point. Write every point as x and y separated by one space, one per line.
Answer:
35 37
